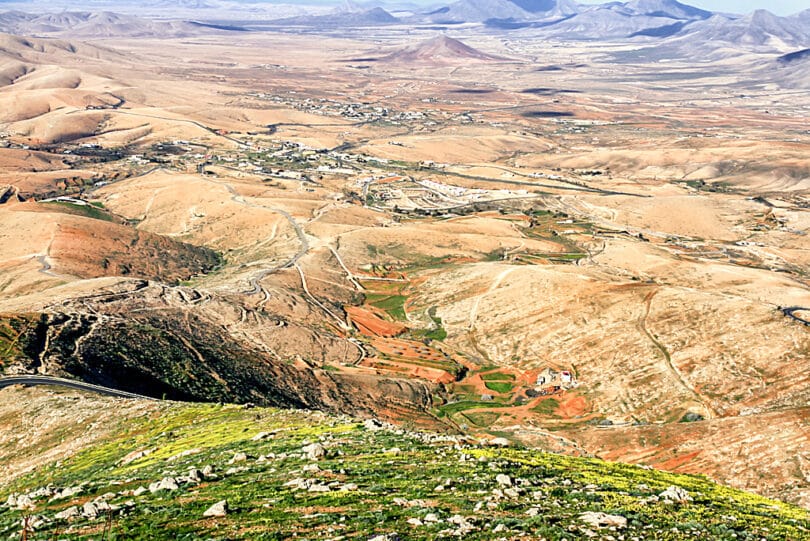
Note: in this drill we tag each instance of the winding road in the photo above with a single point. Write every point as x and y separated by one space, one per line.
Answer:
255 286
32 380
791 313
642 322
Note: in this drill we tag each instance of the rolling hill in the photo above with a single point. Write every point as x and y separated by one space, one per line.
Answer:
791 70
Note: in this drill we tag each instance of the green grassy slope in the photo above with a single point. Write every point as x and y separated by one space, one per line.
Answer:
370 481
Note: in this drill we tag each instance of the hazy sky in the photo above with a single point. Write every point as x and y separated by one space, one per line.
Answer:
780 7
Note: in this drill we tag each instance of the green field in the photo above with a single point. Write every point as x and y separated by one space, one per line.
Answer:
547 406
367 483
499 386
394 305
498 376
88 211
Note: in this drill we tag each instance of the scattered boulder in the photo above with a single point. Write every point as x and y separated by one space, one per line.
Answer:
238 457
167 483
44 492
386 537
373 424
314 451
675 494
499 442
503 479
603 520
20 501
95 508
194 475
69 513
68 492
34 522
219 509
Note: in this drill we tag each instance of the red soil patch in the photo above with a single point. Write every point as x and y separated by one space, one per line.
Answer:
572 405
673 464
90 248
371 324
435 375
408 349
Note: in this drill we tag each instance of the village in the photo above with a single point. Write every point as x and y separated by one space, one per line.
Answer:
405 195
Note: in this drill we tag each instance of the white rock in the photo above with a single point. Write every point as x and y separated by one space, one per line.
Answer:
70 512
603 520
194 475
385 537
503 479
94 509
167 483
238 457
373 424
675 494
219 509
314 451
24 502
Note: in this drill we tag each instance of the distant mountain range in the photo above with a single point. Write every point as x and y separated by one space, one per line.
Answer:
566 19
684 27
760 28
617 20
97 25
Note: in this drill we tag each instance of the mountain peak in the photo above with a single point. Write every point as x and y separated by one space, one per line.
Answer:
440 49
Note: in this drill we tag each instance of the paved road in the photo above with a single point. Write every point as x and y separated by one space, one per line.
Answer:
68 383
791 313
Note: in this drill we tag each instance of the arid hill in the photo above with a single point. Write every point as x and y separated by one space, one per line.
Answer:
439 51
424 244
792 69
